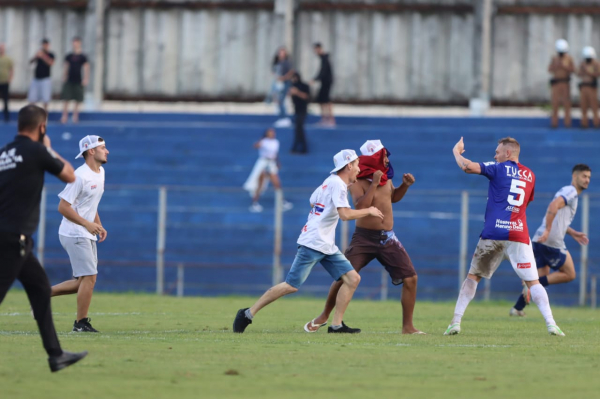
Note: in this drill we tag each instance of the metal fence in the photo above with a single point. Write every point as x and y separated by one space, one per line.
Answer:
204 241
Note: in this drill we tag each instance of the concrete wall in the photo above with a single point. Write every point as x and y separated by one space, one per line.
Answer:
422 51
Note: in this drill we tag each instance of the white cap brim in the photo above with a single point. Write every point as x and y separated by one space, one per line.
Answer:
342 166
97 144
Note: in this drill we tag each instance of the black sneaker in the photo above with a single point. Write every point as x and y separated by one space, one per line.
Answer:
241 321
65 360
84 325
344 329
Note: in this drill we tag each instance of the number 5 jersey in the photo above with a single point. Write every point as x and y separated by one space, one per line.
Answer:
511 190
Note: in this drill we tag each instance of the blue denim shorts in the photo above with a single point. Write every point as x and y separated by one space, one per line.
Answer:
336 265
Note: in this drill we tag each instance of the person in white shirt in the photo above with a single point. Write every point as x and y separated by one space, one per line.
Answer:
80 226
329 203
549 246
266 167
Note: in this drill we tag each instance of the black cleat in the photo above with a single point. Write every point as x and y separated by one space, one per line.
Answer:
65 360
241 321
344 329
84 325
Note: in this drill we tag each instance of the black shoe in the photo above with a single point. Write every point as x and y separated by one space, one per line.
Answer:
344 329
84 325
65 360
241 321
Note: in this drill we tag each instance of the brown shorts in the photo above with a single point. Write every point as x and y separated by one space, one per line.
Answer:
382 245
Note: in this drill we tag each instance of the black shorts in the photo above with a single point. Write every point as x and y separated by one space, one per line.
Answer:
323 96
367 245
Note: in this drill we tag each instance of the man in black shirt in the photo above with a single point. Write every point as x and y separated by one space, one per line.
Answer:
22 166
325 76
41 85
300 93
74 80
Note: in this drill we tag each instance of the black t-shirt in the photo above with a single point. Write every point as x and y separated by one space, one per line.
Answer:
76 62
325 74
22 166
42 70
300 104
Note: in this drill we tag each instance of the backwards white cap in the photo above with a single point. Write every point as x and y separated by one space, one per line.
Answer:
89 142
370 147
562 46
589 52
343 158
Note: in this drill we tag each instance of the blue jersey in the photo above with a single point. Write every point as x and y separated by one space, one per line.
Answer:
511 190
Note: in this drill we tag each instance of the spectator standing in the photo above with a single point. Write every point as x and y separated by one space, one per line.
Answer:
325 76
284 72
6 75
561 67
300 93
589 70
41 85
74 80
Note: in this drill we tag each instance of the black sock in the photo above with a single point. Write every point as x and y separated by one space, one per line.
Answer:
520 305
544 281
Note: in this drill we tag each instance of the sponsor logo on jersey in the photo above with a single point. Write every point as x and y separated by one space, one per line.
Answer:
94 187
517 173
513 209
524 265
319 208
510 225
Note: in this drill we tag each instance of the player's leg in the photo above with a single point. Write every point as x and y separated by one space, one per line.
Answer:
76 112
84 295
542 258
564 274
594 106
487 258
65 114
66 287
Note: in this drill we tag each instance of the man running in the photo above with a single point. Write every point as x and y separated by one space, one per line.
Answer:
329 203
549 246
505 232
375 239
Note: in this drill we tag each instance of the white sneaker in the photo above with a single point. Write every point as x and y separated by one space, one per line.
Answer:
256 208
287 206
554 330
283 122
453 329
515 312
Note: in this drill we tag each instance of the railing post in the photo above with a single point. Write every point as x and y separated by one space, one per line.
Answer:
383 295
464 238
277 274
161 239
593 292
41 242
585 228
180 279
344 236
487 289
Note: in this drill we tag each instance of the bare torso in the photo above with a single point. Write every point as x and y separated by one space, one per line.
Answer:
382 200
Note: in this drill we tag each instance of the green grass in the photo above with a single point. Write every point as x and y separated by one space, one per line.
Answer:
165 347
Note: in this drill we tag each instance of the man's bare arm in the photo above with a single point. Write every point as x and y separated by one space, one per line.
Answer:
463 163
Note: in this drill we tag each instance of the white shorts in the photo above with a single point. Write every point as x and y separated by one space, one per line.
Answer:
82 254
490 253
267 165
40 91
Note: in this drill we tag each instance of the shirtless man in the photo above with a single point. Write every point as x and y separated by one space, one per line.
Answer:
373 237
561 67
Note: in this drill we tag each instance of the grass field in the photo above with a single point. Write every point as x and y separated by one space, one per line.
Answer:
166 347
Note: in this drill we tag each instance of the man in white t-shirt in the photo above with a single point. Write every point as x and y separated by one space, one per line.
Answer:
80 226
329 203
549 246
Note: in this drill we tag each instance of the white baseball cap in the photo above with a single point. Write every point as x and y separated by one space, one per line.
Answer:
370 147
89 142
589 52
343 158
562 46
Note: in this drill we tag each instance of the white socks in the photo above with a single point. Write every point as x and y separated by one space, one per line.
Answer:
467 293
540 297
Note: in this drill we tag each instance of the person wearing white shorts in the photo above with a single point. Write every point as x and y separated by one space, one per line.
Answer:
41 85
80 225
505 233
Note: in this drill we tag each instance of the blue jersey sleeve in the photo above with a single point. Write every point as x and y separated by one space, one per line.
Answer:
488 169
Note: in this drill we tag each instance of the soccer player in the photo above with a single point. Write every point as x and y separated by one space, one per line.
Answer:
374 238
505 232
549 240
329 203
80 226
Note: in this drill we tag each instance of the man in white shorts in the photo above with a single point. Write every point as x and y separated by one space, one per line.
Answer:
41 85
316 244
80 225
505 233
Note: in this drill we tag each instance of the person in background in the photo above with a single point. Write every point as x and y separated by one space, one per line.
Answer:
300 93
325 76
6 76
561 67
41 85
284 71
74 80
588 71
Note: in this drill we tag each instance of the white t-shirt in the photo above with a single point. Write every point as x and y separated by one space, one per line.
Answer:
319 231
84 195
562 220
268 148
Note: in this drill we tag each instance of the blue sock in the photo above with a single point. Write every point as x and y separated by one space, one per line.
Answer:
544 281
520 305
